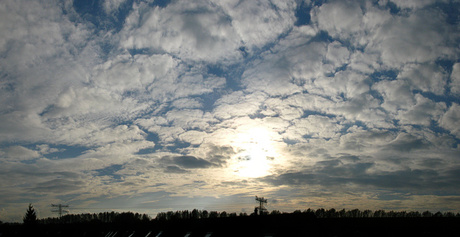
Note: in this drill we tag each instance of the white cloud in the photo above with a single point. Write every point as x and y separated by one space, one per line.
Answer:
415 4
313 126
189 119
396 95
288 68
259 22
18 153
276 107
336 54
187 103
402 39
341 19
112 5
348 84
190 30
451 120
238 104
455 79
427 78
423 112
135 73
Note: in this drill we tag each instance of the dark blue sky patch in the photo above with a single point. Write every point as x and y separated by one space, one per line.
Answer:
110 171
161 3
153 137
452 11
244 51
384 75
303 14
66 152
448 99
93 11
322 36
209 99
393 8
231 73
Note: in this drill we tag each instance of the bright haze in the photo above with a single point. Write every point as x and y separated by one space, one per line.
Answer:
150 106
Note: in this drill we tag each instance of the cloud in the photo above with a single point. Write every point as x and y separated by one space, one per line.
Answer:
357 104
174 169
112 5
427 78
414 4
187 162
450 120
190 30
400 39
18 153
407 142
58 185
259 22
340 19
455 79
423 112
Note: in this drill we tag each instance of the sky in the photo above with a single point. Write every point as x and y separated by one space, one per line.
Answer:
157 105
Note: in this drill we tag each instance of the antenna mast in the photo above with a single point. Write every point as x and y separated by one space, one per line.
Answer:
261 209
59 209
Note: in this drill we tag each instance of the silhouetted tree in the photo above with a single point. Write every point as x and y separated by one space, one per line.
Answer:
380 213
449 214
320 213
30 218
275 212
195 214
413 214
367 213
213 214
427 214
331 213
438 214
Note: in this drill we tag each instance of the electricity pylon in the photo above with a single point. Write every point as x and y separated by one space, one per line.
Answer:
59 209
261 209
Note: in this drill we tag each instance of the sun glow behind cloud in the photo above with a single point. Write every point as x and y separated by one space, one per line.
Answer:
256 152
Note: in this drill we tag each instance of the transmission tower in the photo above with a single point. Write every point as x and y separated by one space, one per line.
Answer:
59 209
260 208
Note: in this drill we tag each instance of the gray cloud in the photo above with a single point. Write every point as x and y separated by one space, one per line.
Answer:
174 169
187 162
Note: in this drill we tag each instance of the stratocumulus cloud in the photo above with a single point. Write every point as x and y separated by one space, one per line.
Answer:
157 105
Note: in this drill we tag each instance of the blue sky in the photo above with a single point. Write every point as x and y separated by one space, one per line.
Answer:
152 106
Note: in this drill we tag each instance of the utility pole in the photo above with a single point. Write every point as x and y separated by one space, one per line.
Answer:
261 207
59 209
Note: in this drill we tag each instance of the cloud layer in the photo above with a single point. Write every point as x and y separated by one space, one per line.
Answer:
344 104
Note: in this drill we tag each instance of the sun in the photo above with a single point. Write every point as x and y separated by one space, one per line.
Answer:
255 154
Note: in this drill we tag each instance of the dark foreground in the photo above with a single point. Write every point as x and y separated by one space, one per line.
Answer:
249 226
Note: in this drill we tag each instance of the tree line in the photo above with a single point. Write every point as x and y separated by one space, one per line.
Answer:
319 213
129 217
103 217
